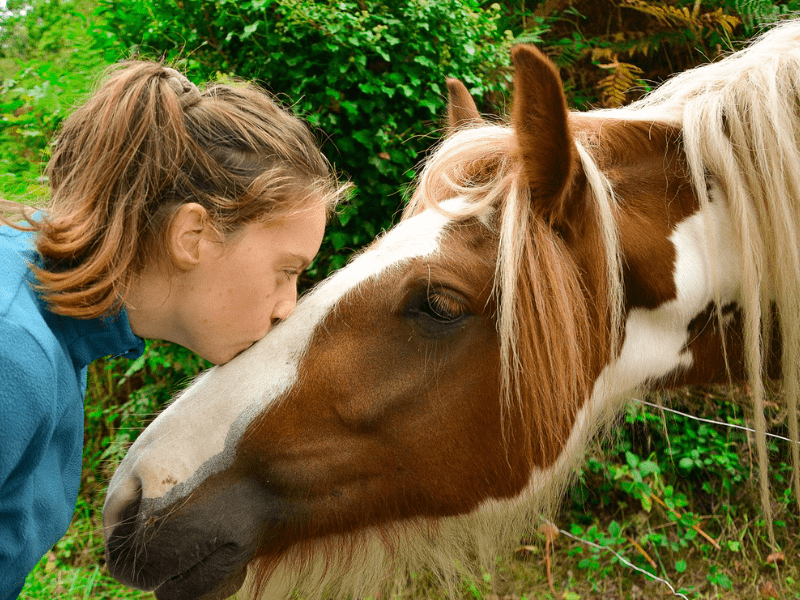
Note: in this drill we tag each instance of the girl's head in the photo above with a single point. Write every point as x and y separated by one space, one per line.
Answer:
145 146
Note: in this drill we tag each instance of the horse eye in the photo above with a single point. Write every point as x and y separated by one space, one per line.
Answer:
442 307
437 312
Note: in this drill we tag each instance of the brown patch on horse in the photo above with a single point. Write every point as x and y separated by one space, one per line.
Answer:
645 165
461 109
707 333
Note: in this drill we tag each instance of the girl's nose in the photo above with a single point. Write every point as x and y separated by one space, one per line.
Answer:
284 308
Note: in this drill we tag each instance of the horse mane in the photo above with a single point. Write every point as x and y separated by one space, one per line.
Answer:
741 127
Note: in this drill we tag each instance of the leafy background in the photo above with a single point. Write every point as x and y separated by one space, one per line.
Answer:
670 495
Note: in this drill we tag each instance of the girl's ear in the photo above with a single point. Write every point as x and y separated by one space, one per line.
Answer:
189 228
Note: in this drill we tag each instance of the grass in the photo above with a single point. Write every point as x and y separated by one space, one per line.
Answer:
666 494
52 580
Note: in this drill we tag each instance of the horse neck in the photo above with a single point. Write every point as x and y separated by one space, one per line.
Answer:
681 318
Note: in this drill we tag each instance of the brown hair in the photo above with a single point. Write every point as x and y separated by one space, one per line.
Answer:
147 142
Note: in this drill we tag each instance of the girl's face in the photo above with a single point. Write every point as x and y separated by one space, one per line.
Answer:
231 298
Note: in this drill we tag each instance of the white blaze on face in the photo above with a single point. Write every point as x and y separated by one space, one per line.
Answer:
196 436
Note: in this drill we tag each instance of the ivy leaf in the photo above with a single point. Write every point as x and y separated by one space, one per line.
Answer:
249 30
339 240
614 529
648 467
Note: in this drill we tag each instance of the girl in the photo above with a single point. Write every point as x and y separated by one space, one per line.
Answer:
174 214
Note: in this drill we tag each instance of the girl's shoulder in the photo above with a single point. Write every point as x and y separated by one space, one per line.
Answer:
21 311
16 254
12 238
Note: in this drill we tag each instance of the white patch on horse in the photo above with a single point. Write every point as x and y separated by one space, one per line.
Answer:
706 271
169 459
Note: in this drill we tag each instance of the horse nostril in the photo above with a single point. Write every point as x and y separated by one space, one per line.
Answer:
122 506
130 510
119 519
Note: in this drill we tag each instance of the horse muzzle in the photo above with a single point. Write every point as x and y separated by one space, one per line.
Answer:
196 547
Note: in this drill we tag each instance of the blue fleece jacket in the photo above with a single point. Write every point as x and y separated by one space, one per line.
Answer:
43 360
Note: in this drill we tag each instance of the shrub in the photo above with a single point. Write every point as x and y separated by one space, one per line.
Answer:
47 65
612 51
368 74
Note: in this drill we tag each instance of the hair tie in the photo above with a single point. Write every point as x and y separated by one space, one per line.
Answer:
188 94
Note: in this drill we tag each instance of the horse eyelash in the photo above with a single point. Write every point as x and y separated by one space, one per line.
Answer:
445 304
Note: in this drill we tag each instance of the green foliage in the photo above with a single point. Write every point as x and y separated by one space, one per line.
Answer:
678 447
47 65
612 51
369 74
683 492
124 396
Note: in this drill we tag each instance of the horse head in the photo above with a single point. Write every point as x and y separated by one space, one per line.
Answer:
423 401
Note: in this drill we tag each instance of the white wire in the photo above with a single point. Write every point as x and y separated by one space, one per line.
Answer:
710 421
625 561
621 558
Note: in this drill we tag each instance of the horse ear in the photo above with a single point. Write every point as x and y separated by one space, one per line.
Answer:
541 127
461 109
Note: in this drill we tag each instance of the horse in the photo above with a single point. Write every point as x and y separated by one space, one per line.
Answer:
422 403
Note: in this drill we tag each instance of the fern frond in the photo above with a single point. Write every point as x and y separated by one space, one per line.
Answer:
755 13
674 16
671 16
718 19
622 78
